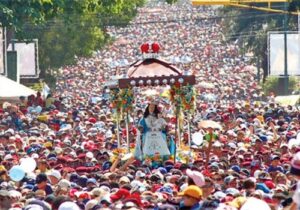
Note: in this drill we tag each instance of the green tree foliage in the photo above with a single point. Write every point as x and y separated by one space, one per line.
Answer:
250 28
65 28
171 1
15 13
272 85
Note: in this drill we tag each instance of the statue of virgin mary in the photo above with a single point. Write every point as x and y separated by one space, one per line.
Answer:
151 140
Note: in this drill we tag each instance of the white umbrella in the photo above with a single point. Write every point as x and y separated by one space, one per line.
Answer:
254 203
11 90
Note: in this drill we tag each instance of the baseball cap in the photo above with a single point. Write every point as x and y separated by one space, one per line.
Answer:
124 179
68 206
64 183
91 181
196 176
140 174
192 191
229 179
54 173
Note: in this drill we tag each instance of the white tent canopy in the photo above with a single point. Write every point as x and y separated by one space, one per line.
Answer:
11 90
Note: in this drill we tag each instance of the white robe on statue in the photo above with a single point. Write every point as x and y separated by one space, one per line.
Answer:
155 139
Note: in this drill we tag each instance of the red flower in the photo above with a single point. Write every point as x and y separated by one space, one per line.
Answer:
155 47
145 48
177 84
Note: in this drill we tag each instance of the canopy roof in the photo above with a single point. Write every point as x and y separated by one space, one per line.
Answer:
11 90
151 72
152 68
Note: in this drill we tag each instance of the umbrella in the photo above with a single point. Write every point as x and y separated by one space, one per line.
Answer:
209 124
254 203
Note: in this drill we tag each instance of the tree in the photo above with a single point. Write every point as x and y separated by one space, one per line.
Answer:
249 28
272 85
65 28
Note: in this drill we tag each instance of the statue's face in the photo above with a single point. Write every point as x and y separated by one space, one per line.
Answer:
151 108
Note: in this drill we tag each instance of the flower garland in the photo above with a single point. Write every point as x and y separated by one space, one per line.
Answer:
183 97
115 100
122 100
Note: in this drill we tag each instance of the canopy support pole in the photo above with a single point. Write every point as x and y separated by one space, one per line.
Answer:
118 131
189 133
127 132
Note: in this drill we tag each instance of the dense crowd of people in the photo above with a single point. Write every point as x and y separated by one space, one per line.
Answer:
61 152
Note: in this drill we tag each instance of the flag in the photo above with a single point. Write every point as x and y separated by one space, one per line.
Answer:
46 90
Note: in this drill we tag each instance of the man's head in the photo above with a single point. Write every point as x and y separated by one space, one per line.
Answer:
191 195
54 176
41 180
5 201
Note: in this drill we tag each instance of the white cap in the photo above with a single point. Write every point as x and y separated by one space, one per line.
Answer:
64 183
89 205
89 155
54 173
140 174
68 206
35 156
11 131
105 189
8 157
232 145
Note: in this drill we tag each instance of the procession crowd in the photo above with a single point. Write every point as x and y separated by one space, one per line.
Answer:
72 136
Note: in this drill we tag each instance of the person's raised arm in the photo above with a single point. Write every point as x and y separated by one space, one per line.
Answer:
115 164
127 163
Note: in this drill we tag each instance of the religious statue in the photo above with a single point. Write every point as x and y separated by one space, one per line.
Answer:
151 140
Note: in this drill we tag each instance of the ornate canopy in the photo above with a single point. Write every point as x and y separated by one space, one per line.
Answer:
152 71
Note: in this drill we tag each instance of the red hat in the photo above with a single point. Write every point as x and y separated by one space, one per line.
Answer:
270 184
121 194
135 198
84 195
81 156
207 173
92 120
72 193
81 169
